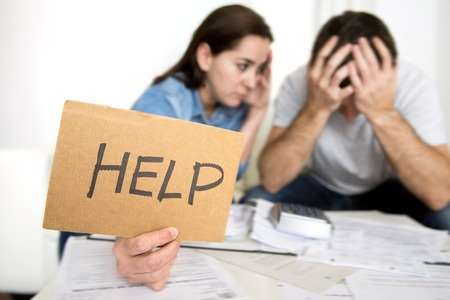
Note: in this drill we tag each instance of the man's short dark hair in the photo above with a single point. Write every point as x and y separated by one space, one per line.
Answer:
349 27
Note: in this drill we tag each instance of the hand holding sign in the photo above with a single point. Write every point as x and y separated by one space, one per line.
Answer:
140 261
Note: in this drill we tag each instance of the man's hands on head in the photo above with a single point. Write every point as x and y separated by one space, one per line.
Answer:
374 83
325 75
288 149
147 258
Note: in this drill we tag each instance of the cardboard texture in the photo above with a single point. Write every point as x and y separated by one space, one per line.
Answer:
122 173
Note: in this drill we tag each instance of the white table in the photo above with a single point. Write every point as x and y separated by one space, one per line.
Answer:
261 287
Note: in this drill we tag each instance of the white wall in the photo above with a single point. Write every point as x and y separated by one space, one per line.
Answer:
442 53
105 52
98 51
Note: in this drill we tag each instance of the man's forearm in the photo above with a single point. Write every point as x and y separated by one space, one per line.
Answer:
422 169
283 159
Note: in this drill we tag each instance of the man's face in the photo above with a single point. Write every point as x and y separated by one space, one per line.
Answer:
348 108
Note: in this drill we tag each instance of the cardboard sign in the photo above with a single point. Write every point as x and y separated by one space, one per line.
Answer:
123 172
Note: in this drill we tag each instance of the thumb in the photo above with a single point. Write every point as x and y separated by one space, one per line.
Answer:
150 240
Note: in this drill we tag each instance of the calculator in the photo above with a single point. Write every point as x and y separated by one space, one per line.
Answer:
301 220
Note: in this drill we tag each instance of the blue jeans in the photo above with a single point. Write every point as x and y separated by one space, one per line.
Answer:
389 197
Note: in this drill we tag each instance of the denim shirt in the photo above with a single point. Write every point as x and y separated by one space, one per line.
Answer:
171 98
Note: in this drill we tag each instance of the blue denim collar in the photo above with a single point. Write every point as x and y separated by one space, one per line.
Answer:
197 105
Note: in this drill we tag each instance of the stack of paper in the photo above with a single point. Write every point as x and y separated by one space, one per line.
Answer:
371 285
88 272
239 222
312 277
239 225
359 243
381 247
398 254
264 232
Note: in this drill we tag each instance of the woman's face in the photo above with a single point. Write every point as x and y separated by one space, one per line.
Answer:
232 74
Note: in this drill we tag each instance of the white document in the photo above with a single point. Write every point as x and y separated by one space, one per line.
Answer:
358 243
379 246
264 232
264 237
338 292
88 271
371 285
236 235
313 277
239 222
246 245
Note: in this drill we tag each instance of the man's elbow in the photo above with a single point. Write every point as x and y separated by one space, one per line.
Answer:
438 200
270 177
270 184
267 180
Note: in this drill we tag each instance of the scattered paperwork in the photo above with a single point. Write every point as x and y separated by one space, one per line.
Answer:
380 246
338 292
359 243
88 272
313 277
372 285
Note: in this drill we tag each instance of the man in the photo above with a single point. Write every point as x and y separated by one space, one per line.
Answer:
370 124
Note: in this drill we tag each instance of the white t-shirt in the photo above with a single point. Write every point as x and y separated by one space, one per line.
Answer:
347 157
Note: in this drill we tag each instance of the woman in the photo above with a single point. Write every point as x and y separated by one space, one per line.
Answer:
223 80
